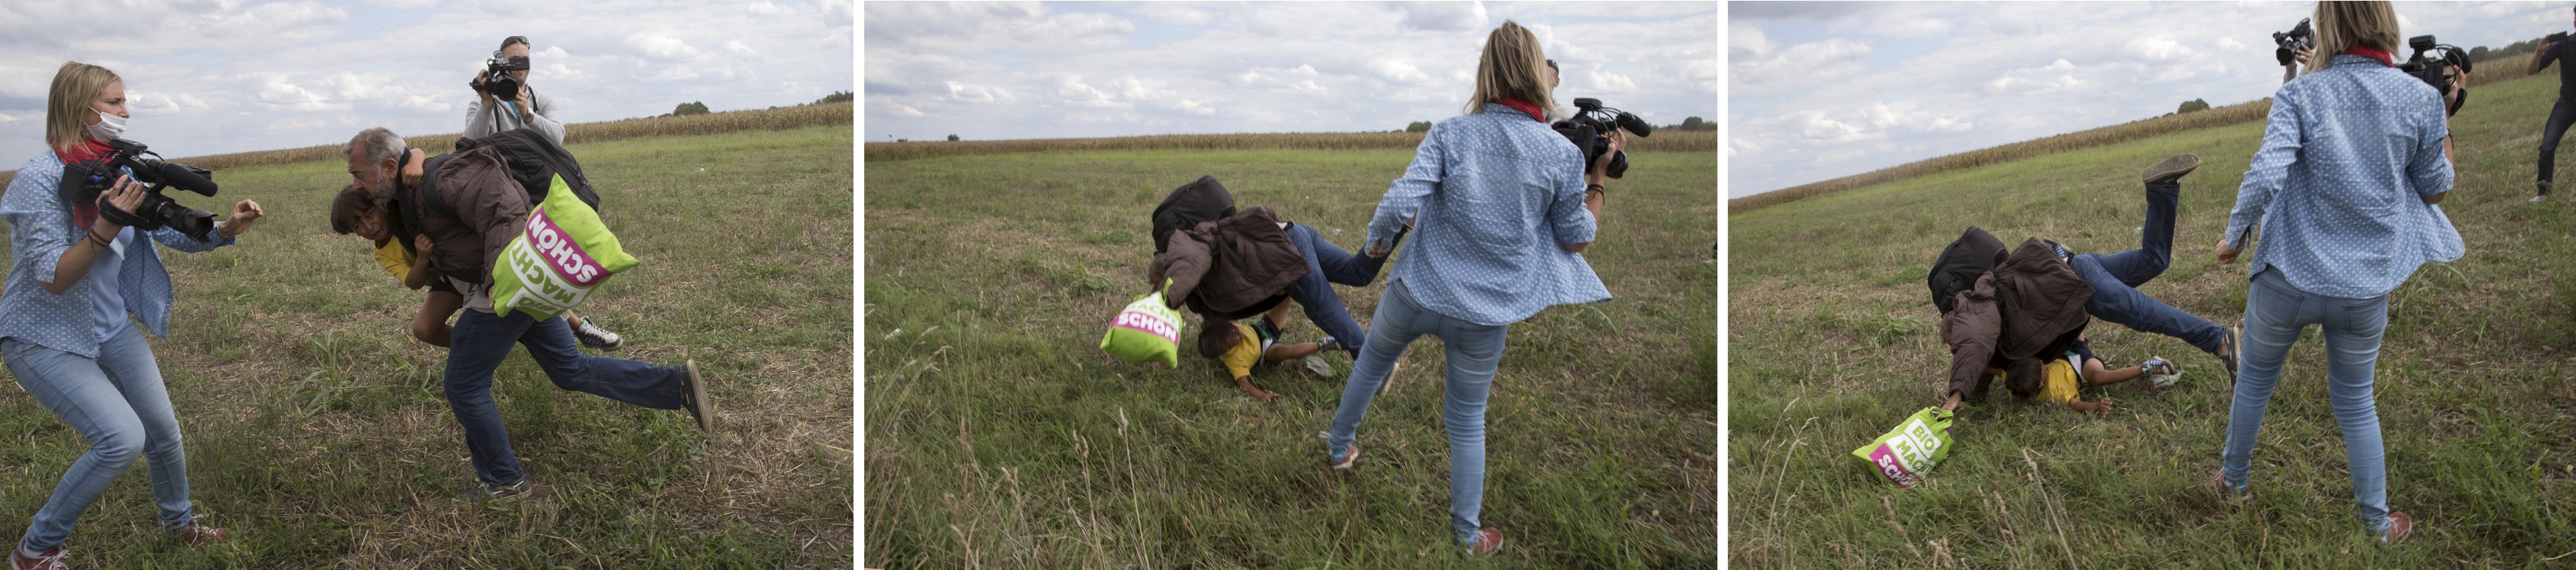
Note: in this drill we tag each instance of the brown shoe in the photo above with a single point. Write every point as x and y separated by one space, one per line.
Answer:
2170 170
695 400
1488 541
198 534
2399 525
52 560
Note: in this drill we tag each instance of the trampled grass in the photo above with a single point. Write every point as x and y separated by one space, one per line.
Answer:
317 430
999 435
1832 341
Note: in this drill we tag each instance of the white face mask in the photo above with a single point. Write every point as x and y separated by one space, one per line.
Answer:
108 128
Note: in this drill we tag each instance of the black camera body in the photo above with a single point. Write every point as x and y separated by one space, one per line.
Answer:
2298 38
1589 128
83 182
2436 70
497 80
2555 37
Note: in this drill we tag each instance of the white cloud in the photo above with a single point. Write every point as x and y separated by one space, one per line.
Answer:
1395 70
2159 50
1442 16
662 47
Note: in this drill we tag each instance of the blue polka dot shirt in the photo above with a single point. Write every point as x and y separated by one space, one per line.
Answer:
1497 193
2348 156
40 228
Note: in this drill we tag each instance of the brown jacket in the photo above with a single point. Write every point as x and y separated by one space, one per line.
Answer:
1230 268
2017 317
489 207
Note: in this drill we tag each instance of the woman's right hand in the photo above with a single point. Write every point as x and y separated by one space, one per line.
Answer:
125 195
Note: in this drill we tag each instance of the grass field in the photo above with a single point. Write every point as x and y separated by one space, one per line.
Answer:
318 432
1832 340
999 435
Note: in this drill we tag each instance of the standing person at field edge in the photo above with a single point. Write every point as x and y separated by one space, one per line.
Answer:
75 276
2355 156
2562 113
488 209
1501 216
483 118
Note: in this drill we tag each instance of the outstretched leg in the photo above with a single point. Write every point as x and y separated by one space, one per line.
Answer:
2115 301
2155 237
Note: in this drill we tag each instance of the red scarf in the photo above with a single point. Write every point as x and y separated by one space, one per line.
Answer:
2382 55
1524 107
84 214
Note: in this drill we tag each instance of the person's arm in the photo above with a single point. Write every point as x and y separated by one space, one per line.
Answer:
2271 167
1184 261
2431 174
1972 325
1404 196
420 273
243 215
1575 232
71 257
2540 57
478 118
543 117
2102 407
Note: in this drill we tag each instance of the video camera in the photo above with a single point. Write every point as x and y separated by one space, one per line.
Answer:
1590 127
2298 38
2556 37
82 183
2436 71
497 80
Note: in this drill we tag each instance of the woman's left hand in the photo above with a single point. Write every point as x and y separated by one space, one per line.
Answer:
2225 254
244 212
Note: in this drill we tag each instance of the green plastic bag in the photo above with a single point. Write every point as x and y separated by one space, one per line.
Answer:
1905 453
1146 331
561 254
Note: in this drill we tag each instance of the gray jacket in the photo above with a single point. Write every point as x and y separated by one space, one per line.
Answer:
479 121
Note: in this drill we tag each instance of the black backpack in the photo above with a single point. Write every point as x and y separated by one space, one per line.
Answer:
1961 262
534 161
1202 200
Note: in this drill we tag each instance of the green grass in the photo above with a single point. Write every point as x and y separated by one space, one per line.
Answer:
1832 342
999 435
317 430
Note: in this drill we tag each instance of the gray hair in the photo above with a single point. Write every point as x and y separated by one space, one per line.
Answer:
378 143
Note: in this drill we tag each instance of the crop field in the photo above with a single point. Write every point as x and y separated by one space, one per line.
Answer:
999 435
1833 340
317 430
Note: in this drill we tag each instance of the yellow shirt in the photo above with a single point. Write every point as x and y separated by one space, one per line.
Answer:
395 259
2058 382
1245 354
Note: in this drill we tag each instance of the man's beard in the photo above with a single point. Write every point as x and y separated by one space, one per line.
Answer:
383 191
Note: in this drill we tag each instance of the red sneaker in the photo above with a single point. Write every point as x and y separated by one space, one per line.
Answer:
198 534
52 560
1350 455
2399 525
1488 541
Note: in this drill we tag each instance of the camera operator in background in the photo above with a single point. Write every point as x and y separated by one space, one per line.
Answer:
2554 48
2293 48
79 268
518 105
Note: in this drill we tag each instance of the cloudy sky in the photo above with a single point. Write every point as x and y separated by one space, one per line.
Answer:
218 76
1051 70
1821 90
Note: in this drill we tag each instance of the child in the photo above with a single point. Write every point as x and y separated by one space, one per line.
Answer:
353 212
1242 346
2062 378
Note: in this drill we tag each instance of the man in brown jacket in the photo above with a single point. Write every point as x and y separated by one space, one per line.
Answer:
484 209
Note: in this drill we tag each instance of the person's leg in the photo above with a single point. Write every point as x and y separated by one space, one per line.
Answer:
2561 115
2352 334
2274 313
479 343
78 391
2117 302
1395 320
1324 307
430 323
128 363
639 383
2155 240
1339 267
2095 374
1474 353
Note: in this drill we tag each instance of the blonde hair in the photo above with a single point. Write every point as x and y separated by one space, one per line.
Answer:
2345 25
1512 67
75 85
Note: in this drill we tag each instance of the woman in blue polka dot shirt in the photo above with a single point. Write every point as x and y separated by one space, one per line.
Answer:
64 331
1501 213
2355 157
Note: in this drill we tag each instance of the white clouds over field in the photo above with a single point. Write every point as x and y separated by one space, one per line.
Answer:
228 76
1029 70
1820 90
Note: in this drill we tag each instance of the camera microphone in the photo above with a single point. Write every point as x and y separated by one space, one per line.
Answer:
182 177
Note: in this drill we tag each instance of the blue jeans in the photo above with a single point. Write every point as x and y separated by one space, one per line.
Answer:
1474 352
2116 276
482 339
1326 265
118 403
2274 314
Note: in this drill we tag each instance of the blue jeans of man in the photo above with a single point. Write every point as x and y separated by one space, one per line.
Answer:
116 401
1327 265
1474 352
2275 312
476 347
2116 276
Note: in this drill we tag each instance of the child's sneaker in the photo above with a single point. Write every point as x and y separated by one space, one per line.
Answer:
2160 373
1341 460
1328 343
2399 525
593 336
